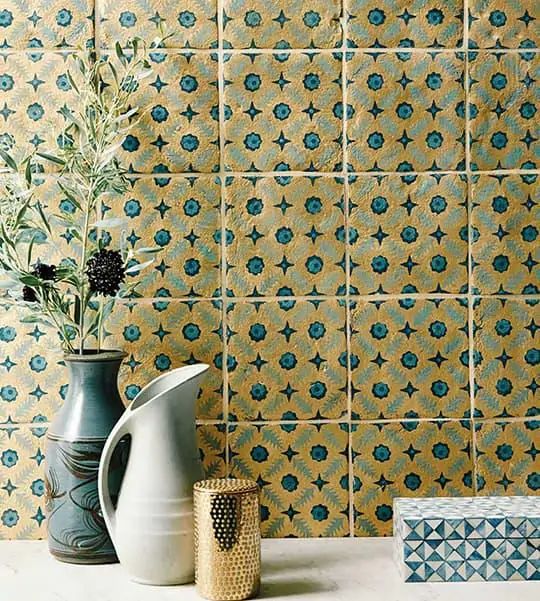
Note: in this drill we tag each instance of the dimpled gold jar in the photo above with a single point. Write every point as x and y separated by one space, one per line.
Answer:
227 539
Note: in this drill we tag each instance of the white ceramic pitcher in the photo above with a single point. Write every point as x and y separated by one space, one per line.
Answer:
152 524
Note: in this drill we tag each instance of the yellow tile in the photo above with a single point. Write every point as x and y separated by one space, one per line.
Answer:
285 236
22 487
287 360
182 218
211 439
163 335
303 475
495 24
411 459
507 458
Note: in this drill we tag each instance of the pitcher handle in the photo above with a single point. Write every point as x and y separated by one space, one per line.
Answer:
118 432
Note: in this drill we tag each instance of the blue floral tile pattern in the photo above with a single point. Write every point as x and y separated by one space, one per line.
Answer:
504 100
507 357
186 24
391 23
51 24
409 359
211 439
283 24
408 459
406 111
285 236
34 89
283 112
495 24
161 335
179 132
294 366
32 376
505 222
408 234
303 475
22 486
507 457
181 217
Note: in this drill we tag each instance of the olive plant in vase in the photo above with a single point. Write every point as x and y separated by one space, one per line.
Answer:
75 294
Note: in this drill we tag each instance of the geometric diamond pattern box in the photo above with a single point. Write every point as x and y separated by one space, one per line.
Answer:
468 538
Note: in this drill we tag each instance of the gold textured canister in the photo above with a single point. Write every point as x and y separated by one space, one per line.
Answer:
227 539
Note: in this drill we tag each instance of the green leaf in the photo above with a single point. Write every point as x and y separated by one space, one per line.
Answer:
8 160
51 158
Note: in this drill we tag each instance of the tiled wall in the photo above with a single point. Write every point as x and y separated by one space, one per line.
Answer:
363 280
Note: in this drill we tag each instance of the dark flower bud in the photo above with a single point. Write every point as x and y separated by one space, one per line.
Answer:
29 294
105 271
45 272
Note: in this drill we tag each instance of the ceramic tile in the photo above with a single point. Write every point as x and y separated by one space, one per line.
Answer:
52 24
495 24
179 130
406 111
22 488
391 23
32 378
507 457
287 360
411 459
33 89
506 357
408 234
161 335
503 105
190 24
409 359
182 218
284 24
283 112
211 439
505 218
303 475
286 235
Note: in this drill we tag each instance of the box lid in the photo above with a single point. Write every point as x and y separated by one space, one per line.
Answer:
467 518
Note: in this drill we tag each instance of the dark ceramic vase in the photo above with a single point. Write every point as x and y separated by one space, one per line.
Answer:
75 440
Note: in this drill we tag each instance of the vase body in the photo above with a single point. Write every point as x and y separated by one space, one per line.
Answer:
152 523
77 531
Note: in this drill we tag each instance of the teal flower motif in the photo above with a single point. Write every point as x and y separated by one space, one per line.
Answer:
259 454
6 82
6 18
533 481
289 482
35 111
187 19
319 453
320 513
381 453
10 518
8 393
132 333
9 458
128 19
38 363
440 450
384 513
412 481
64 17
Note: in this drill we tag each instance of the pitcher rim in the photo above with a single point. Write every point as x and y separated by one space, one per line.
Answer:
204 367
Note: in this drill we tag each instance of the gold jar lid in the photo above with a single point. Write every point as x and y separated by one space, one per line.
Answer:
230 486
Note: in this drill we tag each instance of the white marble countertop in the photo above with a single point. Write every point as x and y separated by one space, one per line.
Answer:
310 569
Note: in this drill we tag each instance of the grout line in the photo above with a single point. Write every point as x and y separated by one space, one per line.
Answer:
223 210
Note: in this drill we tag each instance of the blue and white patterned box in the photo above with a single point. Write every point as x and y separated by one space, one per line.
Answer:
468 538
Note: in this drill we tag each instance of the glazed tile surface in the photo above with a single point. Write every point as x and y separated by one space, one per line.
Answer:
285 236
503 105
282 24
409 359
181 217
408 459
506 357
507 458
294 366
408 234
56 23
189 24
283 112
505 218
504 25
391 23
345 198
303 475
407 111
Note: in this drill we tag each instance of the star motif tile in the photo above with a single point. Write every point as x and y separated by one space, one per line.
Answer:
504 99
283 112
406 111
294 365
285 236
408 234
292 24
505 218
409 359
302 472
